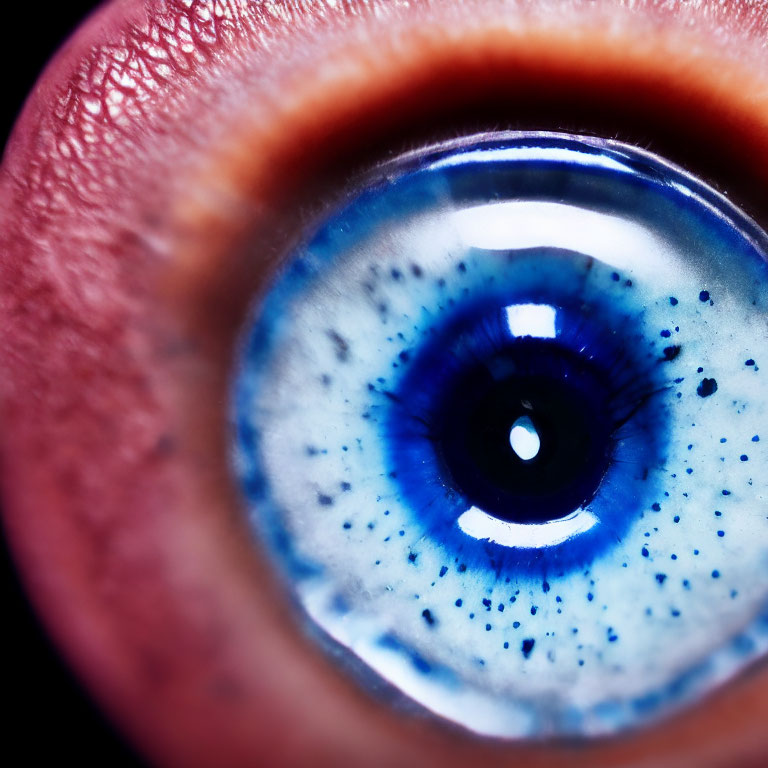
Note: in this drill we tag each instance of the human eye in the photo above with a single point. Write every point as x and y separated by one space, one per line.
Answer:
122 348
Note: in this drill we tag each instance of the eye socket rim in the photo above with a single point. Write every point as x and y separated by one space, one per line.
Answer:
209 363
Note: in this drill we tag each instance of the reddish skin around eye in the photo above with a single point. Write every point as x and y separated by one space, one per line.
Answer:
166 160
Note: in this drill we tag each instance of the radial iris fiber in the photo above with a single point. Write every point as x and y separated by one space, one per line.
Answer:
498 422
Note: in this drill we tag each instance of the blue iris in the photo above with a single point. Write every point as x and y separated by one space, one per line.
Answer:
498 422
593 399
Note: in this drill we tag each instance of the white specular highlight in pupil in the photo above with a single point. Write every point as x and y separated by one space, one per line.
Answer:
524 439
535 320
484 527
498 423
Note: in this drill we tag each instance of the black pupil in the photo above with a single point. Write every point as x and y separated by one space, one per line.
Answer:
558 404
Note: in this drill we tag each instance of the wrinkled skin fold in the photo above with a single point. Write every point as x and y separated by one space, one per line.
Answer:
169 157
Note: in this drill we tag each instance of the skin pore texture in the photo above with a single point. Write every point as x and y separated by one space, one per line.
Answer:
171 154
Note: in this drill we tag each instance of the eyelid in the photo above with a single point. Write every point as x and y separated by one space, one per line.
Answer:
203 249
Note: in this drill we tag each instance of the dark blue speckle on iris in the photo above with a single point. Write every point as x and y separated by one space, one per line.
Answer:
496 423
706 387
527 646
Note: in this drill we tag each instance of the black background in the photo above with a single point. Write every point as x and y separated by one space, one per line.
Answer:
48 719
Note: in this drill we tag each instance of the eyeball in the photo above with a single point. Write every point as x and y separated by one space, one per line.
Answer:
222 221
498 421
